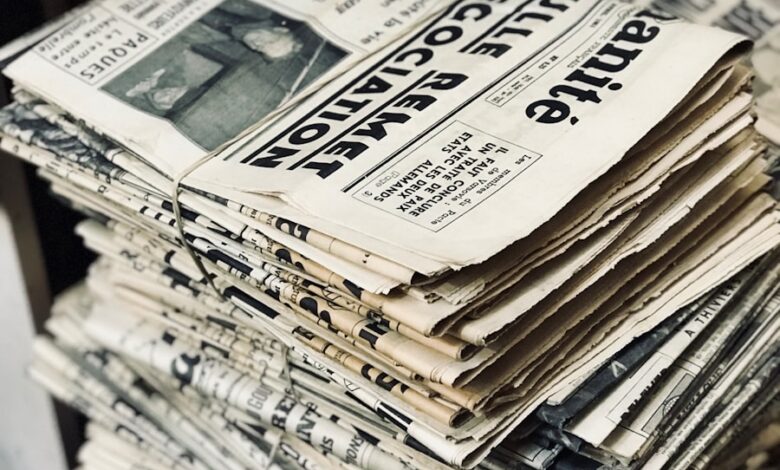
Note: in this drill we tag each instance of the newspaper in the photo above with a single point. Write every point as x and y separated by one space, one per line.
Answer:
563 229
766 404
566 265
735 405
227 449
388 409
553 327
133 424
536 452
137 389
350 183
572 461
209 376
347 360
760 21
718 431
12 49
635 434
602 418
759 340
106 448
352 385
758 437
58 132
612 372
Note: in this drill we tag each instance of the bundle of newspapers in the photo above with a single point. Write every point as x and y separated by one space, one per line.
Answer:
405 234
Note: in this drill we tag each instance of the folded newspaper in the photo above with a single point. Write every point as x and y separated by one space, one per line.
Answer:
408 234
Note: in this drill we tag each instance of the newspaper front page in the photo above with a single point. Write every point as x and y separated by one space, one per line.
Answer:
463 138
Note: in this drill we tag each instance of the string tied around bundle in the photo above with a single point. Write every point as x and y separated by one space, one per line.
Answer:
177 212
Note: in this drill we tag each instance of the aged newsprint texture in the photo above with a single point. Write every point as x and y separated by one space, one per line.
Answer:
760 21
405 234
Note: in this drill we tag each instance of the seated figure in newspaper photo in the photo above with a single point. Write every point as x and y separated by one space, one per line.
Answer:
238 53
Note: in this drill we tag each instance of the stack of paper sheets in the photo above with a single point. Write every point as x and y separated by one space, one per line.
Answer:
382 236
677 396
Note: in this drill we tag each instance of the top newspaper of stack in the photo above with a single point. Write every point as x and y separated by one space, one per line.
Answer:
430 134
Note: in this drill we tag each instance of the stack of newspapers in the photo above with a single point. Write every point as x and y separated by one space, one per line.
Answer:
405 234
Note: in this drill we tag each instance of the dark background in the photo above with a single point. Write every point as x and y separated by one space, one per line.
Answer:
64 258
